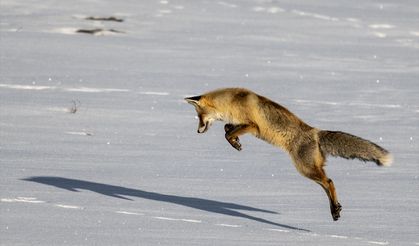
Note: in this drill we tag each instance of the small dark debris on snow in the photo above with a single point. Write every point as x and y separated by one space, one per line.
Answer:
74 108
111 18
97 30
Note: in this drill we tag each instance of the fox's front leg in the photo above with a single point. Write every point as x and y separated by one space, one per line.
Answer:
235 142
234 131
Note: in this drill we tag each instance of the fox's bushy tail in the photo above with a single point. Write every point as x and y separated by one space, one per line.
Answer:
348 146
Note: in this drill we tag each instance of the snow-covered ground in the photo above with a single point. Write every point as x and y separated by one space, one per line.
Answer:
97 146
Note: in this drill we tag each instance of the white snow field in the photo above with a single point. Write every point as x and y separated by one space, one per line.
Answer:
97 146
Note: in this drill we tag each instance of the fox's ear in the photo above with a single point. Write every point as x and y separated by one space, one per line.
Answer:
193 100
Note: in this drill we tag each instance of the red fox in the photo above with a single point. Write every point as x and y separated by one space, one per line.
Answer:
247 112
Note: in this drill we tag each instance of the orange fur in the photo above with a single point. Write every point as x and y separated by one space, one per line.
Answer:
247 112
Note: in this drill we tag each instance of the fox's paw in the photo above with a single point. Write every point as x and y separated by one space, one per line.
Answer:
336 211
237 146
235 143
233 140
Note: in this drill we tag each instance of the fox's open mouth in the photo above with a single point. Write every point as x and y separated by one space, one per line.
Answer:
203 128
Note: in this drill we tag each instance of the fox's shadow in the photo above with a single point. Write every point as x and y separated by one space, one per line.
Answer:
123 192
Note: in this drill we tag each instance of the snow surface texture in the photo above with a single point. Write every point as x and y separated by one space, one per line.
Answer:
98 147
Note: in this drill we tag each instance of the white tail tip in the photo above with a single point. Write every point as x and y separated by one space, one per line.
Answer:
387 160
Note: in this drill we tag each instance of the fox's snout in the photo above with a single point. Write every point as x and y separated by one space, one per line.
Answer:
203 124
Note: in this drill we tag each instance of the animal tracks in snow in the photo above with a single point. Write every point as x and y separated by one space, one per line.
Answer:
378 30
34 200
167 8
228 225
129 213
173 219
381 26
22 200
378 242
311 234
67 206
228 5
314 15
66 89
80 89
277 9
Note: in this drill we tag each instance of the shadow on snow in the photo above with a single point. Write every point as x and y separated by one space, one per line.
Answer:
192 202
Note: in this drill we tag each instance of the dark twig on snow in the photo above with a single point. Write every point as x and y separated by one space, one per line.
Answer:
74 108
97 30
110 18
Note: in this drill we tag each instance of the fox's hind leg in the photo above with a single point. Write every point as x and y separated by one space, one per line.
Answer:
309 162
234 131
330 190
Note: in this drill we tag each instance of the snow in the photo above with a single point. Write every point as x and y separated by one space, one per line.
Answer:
98 147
